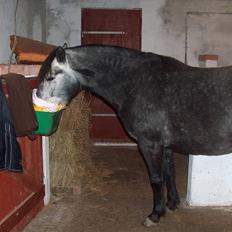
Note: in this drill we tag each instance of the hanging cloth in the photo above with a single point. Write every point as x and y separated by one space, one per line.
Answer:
20 104
10 153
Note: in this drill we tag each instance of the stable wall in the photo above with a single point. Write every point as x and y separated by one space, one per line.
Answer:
163 25
30 22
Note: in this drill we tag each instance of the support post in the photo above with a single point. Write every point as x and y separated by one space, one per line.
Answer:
46 171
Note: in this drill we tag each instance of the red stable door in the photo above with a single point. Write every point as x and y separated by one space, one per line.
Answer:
21 194
121 27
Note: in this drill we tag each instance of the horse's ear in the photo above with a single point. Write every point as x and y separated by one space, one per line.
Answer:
65 45
60 55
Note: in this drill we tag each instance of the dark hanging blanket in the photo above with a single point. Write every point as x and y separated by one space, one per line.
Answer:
10 154
20 104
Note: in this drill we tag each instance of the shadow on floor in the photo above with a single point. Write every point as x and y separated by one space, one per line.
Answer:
123 201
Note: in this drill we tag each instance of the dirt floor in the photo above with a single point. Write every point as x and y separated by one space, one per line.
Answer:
122 201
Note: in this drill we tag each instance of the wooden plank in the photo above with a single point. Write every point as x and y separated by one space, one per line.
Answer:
108 128
26 70
100 107
128 25
38 206
18 186
21 211
29 50
128 21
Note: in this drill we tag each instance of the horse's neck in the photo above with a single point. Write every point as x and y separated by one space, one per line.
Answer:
109 89
107 67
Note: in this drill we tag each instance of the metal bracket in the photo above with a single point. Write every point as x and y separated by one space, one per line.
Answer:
103 33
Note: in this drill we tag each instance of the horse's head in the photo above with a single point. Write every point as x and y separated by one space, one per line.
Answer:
58 81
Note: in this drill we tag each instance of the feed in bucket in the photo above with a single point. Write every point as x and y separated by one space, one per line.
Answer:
48 115
45 106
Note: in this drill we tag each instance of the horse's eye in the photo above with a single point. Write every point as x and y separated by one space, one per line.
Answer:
50 78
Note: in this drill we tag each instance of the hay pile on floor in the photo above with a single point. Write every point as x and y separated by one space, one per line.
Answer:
70 147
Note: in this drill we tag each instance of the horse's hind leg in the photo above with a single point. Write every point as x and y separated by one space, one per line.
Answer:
173 199
152 153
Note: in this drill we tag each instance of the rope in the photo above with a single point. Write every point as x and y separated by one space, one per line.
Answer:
15 38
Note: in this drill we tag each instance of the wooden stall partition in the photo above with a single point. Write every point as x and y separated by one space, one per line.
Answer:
21 194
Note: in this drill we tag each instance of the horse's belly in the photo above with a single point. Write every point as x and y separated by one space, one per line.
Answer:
209 147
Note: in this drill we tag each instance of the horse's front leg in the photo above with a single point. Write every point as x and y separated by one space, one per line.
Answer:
152 153
173 199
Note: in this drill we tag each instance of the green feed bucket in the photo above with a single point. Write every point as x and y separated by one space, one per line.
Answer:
47 122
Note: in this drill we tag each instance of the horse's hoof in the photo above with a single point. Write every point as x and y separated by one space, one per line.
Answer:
149 223
172 205
168 210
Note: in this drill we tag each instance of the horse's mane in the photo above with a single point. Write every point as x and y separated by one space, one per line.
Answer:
46 66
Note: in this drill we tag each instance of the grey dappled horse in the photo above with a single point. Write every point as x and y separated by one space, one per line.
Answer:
162 103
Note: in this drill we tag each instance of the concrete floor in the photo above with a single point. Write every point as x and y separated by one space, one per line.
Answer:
124 200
